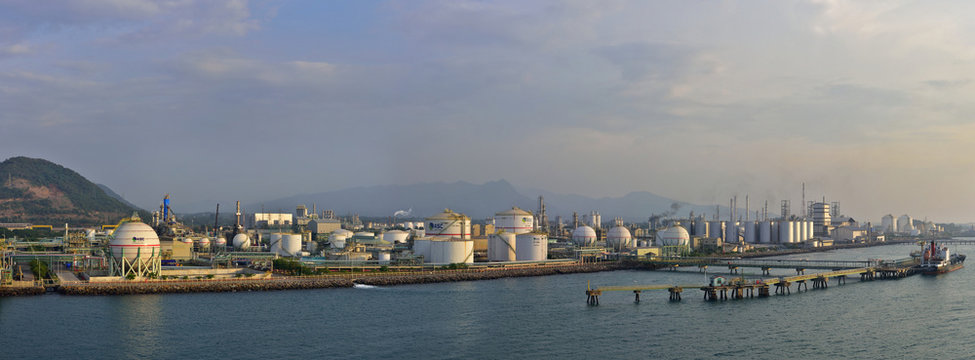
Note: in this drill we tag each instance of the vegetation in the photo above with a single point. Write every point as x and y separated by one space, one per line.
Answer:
295 267
130 277
40 269
455 266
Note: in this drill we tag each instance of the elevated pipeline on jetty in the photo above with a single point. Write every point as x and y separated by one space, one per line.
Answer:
740 289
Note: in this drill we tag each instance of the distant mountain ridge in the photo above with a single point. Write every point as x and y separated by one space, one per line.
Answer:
479 202
42 192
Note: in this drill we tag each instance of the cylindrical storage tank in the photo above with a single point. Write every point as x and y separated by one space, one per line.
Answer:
448 224
796 231
290 245
241 241
383 257
531 247
365 234
750 234
786 232
452 251
515 221
396 236
731 232
134 240
220 241
584 236
701 228
802 231
421 247
810 229
673 236
764 232
276 242
716 229
501 247
619 238
774 232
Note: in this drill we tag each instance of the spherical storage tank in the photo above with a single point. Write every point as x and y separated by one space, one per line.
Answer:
134 240
448 224
584 236
241 241
619 237
220 241
396 236
673 236
204 242
501 247
515 221
452 251
531 247
186 240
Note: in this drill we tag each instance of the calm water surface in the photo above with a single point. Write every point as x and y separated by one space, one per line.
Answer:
524 318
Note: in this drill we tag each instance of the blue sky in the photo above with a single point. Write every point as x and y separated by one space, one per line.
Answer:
868 102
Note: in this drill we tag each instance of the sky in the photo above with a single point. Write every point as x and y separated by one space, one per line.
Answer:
867 102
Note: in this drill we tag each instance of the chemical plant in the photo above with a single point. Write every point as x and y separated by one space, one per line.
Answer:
164 248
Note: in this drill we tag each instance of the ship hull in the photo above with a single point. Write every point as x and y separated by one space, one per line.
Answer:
942 270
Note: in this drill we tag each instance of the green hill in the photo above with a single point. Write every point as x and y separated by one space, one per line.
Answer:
41 192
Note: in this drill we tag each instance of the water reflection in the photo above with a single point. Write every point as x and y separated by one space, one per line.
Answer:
138 324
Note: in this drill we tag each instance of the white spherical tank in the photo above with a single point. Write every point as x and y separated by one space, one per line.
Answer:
204 242
619 238
531 247
186 240
220 241
421 247
241 241
673 236
584 236
134 240
515 221
764 232
448 224
396 236
452 251
501 247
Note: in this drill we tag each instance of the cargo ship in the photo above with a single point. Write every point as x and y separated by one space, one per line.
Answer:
939 260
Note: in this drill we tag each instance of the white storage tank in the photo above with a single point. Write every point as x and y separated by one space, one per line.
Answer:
134 240
796 231
220 241
750 232
448 224
421 247
383 257
276 242
786 232
673 236
204 242
290 245
619 236
396 236
452 251
241 241
765 232
186 240
531 247
365 234
731 232
716 229
515 221
774 231
584 236
701 228
501 247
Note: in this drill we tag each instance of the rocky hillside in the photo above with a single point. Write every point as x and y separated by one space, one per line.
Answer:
41 192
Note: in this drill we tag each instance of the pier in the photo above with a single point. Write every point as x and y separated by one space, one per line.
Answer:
739 288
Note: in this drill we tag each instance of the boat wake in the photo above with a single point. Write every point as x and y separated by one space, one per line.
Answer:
363 286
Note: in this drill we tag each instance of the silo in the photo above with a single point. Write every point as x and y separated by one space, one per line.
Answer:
750 234
786 232
701 228
515 221
716 229
731 232
774 232
290 245
796 231
765 232
531 247
810 229
452 251
448 224
421 247
501 247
